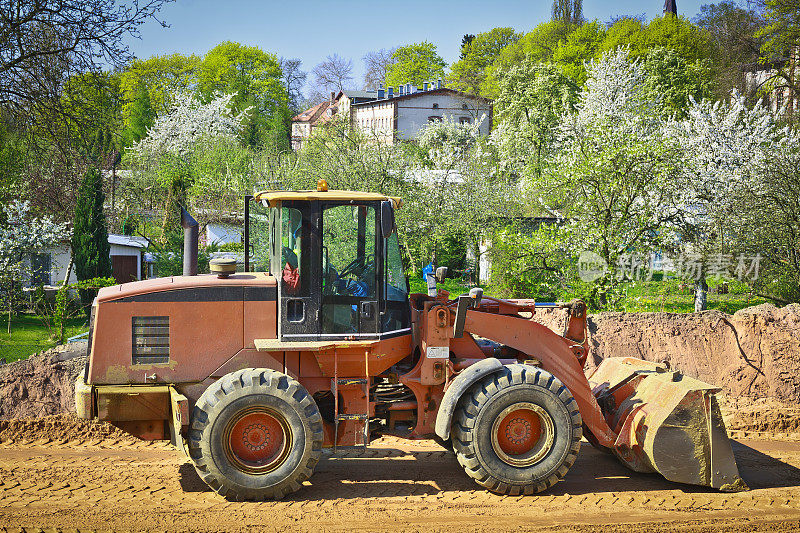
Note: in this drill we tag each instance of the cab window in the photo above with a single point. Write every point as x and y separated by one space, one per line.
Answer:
291 251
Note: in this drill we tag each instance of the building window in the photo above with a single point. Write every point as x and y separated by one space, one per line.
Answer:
465 120
436 106
434 119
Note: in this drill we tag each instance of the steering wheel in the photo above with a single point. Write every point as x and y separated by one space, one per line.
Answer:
354 267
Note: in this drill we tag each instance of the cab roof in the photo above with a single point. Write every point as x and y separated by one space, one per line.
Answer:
277 196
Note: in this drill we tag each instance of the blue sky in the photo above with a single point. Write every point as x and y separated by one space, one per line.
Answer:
311 29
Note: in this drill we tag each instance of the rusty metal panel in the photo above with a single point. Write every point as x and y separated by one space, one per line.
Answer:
133 403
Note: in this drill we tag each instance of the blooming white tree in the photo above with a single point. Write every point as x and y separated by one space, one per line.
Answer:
612 181
458 192
740 184
21 235
162 160
179 131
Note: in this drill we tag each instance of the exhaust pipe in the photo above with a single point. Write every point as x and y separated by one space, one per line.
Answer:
190 236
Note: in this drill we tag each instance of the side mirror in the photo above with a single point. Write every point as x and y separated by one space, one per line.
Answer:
387 219
441 273
476 293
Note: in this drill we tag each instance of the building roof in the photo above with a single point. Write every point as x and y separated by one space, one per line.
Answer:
311 114
277 196
359 94
443 90
131 241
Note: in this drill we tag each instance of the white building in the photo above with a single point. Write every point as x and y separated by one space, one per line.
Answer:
304 124
395 113
223 233
401 116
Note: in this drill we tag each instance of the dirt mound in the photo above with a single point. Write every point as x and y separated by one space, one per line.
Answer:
765 415
753 354
43 384
63 427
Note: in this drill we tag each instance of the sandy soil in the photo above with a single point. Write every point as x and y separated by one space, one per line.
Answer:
104 483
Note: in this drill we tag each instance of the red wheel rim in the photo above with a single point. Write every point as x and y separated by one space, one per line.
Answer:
257 440
522 434
519 432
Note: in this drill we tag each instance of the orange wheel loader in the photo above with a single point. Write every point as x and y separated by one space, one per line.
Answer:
318 344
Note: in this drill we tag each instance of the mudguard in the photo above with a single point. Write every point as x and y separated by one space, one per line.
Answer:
457 388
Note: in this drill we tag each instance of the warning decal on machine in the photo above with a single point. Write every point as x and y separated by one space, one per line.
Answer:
438 352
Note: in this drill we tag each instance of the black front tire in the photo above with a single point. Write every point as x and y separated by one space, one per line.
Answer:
250 412
496 457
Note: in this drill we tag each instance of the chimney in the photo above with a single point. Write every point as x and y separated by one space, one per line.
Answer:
670 7
425 86
333 97
399 90
380 93
439 83
408 88
190 235
391 92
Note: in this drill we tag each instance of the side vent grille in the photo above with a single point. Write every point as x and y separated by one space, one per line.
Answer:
150 340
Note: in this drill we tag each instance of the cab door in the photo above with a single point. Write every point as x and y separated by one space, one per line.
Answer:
295 263
350 271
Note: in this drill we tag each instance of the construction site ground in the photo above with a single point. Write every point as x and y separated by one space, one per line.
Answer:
105 481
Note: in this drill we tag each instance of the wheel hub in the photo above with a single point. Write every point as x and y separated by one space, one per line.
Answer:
522 434
257 440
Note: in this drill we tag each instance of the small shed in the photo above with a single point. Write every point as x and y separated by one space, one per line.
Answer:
49 266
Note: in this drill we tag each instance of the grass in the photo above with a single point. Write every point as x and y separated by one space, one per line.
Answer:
662 296
677 296
30 335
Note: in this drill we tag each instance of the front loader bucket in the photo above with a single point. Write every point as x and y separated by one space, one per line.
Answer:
666 422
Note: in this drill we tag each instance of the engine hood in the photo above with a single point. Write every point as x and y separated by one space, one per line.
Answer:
183 284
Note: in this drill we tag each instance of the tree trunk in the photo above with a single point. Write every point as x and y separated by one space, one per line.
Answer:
69 267
10 307
700 294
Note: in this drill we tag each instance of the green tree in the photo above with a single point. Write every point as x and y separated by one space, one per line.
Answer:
569 11
673 81
415 64
90 249
466 40
735 46
12 159
469 73
141 118
628 32
162 77
689 40
781 41
580 46
531 99
92 104
253 75
538 45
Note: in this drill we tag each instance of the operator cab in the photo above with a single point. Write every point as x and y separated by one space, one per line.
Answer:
337 260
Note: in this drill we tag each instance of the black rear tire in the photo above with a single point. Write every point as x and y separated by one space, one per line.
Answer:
518 431
255 434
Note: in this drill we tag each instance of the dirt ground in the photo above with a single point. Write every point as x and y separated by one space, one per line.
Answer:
108 482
